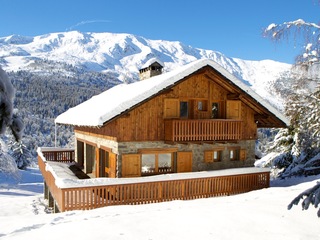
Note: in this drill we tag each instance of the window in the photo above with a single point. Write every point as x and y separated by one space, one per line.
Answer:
165 162
148 164
80 153
214 155
234 154
202 105
90 158
215 110
184 109
156 163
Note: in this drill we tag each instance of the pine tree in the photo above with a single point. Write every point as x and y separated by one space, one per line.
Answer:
8 119
7 163
310 196
21 154
304 105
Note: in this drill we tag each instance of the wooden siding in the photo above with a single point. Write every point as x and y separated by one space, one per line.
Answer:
90 197
145 122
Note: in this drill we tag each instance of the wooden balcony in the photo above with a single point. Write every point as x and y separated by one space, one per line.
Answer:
84 194
58 154
190 130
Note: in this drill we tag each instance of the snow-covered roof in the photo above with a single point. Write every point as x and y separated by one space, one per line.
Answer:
111 103
151 61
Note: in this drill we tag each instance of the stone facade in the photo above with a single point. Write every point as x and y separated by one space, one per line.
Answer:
198 163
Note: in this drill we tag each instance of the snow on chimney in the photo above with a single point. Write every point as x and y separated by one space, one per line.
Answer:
152 67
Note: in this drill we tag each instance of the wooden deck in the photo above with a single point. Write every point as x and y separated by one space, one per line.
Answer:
125 191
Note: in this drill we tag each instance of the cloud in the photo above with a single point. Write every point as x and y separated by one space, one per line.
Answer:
86 22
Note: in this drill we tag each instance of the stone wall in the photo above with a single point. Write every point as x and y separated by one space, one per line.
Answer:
198 163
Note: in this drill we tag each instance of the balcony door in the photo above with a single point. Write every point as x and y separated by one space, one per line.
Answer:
186 108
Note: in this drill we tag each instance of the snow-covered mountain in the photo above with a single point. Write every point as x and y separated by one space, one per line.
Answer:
121 55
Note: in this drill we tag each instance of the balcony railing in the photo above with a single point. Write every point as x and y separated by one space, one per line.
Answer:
202 130
58 154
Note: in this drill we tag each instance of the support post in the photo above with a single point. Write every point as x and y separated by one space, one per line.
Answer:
50 200
55 207
55 134
45 190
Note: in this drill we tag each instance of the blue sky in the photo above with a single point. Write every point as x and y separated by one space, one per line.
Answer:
231 27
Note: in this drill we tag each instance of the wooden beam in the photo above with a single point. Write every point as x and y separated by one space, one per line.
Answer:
221 81
233 96
261 117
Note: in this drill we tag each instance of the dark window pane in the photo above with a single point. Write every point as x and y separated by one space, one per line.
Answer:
215 110
183 109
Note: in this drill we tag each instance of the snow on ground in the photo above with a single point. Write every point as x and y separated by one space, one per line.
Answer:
258 214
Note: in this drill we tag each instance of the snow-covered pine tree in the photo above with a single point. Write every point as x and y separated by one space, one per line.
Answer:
8 119
298 144
20 154
7 163
304 106
310 196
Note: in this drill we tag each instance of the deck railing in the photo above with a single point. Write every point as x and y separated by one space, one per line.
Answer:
90 197
202 130
58 154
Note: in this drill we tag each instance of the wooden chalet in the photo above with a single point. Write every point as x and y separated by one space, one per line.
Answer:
198 118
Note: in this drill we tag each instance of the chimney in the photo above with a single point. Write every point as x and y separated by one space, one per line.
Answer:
152 67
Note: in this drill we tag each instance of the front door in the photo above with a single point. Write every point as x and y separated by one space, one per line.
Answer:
184 162
131 165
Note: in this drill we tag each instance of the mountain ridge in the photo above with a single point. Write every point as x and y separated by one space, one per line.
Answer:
56 71
110 51
121 55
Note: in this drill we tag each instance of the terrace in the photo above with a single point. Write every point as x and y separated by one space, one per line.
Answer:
66 192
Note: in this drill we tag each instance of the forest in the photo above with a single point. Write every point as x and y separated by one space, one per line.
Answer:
41 97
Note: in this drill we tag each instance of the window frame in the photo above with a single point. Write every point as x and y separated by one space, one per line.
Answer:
187 108
209 155
202 105
236 153
156 153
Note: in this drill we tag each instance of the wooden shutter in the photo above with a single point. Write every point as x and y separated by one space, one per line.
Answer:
243 155
131 165
184 162
208 156
233 109
171 108
97 159
112 165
